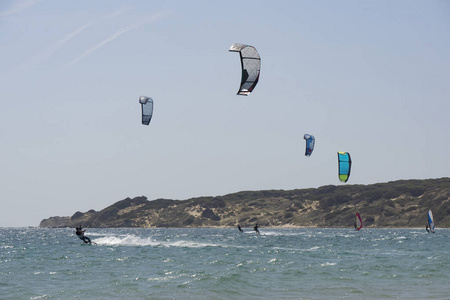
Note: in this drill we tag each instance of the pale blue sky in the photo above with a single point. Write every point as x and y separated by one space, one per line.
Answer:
367 77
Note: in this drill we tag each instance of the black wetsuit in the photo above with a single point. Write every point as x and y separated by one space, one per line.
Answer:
240 229
80 234
256 228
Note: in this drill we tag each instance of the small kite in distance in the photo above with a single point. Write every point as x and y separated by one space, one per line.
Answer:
147 109
310 141
345 164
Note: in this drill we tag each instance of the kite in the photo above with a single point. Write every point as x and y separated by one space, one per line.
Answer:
310 141
251 65
345 164
147 109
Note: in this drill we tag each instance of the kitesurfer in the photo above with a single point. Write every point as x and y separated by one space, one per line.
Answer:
256 228
80 234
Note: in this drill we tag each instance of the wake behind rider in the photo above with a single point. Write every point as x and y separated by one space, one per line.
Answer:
80 234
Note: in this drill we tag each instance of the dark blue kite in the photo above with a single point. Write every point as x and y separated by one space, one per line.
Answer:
310 141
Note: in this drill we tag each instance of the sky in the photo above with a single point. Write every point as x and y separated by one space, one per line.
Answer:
367 77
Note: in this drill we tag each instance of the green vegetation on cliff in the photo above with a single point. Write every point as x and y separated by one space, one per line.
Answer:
402 203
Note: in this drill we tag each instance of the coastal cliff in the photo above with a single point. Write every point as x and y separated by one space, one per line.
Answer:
402 203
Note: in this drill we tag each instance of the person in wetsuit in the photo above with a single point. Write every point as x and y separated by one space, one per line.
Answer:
428 230
80 234
256 228
240 229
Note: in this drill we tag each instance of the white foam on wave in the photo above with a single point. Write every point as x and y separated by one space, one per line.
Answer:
40 297
105 234
127 240
379 239
312 249
327 264
274 233
188 244
132 240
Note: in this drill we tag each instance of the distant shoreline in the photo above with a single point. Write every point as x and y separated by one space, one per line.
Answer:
223 227
395 204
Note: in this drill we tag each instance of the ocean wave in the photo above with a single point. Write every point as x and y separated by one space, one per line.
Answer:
132 240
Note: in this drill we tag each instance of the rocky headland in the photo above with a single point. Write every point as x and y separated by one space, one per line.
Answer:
402 203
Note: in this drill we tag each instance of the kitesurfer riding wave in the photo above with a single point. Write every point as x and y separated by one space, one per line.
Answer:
80 234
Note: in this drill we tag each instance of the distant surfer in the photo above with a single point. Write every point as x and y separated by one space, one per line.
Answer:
80 234
428 230
256 228
356 226
240 229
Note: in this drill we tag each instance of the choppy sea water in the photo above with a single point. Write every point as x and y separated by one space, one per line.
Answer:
223 263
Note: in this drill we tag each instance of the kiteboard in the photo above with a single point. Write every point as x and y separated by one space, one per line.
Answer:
89 244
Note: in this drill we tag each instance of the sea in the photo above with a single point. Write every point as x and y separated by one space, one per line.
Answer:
223 263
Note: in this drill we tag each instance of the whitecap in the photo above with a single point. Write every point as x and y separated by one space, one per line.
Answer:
187 244
127 240
39 297
327 264
314 248
132 240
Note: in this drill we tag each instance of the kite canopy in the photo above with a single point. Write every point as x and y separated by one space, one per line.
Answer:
345 164
310 141
147 109
251 65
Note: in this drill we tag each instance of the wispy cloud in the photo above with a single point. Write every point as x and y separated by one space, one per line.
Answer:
118 12
56 46
19 7
53 48
117 34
